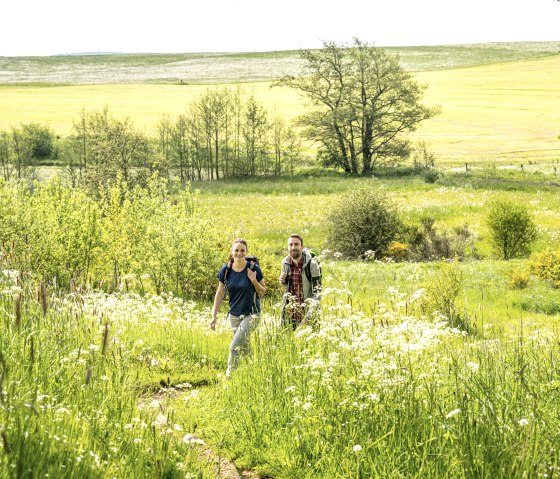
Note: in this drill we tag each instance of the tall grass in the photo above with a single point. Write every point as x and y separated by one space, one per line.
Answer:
394 394
80 377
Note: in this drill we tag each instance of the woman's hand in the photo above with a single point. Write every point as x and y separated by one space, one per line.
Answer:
213 324
251 274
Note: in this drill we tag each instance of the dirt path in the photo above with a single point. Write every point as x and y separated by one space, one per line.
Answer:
223 467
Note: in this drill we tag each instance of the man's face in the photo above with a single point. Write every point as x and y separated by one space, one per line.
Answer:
295 248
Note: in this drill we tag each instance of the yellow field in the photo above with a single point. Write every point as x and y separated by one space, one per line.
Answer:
506 112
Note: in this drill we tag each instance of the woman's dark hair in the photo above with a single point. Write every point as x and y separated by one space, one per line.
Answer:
238 240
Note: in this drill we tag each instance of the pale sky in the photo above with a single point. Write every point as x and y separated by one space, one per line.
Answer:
47 27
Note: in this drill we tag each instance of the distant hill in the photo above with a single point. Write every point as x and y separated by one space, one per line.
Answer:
207 68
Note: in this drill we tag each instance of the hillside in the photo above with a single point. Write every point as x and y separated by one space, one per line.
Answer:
207 68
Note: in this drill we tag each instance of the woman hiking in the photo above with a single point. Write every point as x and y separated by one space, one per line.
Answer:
243 280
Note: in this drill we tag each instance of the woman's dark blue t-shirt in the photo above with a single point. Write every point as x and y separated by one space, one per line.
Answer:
243 299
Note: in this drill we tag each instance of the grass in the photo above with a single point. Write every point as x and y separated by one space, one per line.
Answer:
301 204
119 385
123 385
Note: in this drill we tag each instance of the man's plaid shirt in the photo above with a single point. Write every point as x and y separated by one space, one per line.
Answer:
296 290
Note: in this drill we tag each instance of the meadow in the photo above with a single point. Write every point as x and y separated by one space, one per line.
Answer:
413 370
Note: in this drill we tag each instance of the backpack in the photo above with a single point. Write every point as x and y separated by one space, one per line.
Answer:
252 260
318 279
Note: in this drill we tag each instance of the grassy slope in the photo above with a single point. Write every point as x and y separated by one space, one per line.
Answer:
505 112
235 67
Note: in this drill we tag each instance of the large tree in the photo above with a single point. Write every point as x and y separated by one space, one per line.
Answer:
362 105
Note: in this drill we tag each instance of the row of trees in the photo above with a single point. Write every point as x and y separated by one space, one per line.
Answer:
222 134
361 107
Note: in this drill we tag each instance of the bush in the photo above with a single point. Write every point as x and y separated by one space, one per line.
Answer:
442 291
512 229
546 265
398 251
431 175
518 279
41 139
135 239
427 244
364 220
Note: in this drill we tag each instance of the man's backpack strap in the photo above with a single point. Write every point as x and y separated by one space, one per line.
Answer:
308 270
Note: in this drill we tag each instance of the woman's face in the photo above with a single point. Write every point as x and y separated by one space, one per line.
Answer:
239 251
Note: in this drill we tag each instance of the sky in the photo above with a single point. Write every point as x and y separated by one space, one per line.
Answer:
51 27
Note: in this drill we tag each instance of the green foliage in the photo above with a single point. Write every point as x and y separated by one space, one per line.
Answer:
431 175
442 290
421 381
546 265
512 228
22 148
138 239
41 139
73 398
364 222
428 244
103 148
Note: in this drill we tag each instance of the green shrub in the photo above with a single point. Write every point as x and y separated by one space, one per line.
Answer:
41 139
431 175
512 229
365 220
428 244
139 239
442 291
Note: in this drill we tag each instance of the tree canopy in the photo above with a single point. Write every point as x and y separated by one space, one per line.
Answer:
362 105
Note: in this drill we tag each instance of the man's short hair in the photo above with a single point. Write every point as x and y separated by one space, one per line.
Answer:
296 236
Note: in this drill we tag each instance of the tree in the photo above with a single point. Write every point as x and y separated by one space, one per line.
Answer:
512 229
104 148
40 138
362 105
255 128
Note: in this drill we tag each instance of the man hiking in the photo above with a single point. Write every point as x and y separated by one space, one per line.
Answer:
301 277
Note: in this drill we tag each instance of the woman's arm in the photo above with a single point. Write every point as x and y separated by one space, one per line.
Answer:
218 298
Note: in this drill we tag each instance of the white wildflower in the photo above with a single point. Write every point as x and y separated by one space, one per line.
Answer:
192 439
453 413
473 367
